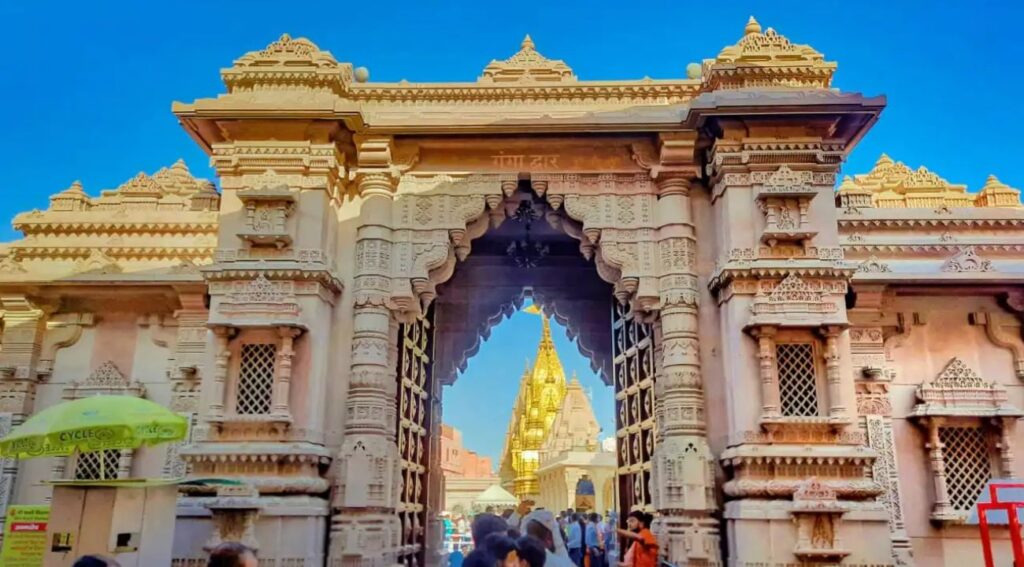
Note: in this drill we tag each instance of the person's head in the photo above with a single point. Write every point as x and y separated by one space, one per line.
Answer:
232 554
485 525
503 548
95 561
574 517
595 517
637 520
541 533
530 551
480 557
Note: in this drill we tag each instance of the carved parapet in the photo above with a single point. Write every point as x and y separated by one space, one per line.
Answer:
766 59
960 392
258 302
269 467
795 302
778 471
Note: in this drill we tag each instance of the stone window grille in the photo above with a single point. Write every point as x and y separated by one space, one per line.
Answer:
969 425
968 459
799 372
255 384
798 379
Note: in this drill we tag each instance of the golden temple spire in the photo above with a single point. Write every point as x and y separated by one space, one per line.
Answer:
527 43
541 393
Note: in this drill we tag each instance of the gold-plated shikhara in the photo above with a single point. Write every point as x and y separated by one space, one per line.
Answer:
541 391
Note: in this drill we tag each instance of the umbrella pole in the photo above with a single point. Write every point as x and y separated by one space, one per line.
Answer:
103 465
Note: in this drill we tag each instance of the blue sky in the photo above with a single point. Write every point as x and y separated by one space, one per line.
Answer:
480 402
87 86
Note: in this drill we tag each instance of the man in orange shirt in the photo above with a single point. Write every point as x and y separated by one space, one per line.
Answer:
645 545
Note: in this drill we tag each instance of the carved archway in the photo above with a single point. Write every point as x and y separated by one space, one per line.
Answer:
641 240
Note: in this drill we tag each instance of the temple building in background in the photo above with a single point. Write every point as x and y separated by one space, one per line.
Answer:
552 448
810 366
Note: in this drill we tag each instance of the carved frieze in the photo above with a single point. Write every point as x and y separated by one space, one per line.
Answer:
259 302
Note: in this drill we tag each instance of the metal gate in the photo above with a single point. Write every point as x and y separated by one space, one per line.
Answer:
415 392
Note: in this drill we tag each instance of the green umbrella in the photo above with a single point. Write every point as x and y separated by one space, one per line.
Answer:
96 423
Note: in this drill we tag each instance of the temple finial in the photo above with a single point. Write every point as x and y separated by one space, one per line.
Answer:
752 27
884 159
527 43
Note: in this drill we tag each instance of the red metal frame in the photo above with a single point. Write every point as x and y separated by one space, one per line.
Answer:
1011 514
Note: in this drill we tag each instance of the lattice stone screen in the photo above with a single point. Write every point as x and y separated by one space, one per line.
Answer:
968 464
256 379
98 465
798 384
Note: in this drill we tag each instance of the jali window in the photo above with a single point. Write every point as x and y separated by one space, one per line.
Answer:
256 379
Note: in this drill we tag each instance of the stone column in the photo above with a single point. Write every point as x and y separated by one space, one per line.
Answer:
941 507
365 530
836 407
683 466
771 403
282 382
222 357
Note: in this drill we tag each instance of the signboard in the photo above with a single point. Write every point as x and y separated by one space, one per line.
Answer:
25 536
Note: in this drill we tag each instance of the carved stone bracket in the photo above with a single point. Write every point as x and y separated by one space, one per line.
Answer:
1004 331
62 331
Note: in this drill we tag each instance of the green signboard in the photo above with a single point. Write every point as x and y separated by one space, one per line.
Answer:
25 536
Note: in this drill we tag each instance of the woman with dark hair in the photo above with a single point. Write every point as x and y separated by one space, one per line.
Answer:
531 552
95 561
644 550
503 548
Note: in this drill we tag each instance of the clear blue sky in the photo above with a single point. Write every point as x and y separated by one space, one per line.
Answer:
87 86
480 402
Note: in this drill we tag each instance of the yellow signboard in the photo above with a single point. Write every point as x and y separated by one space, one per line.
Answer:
25 536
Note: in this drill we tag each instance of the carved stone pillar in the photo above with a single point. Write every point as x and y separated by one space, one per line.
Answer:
365 530
222 357
771 403
684 469
1007 463
941 507
836 407
282 382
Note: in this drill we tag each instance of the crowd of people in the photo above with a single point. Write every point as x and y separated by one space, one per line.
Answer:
525 537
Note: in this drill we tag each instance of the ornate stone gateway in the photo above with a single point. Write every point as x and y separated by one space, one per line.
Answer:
767 334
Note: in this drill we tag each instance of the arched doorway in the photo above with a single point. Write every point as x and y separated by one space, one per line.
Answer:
528 252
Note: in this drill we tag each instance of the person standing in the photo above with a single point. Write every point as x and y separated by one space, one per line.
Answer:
574 541
644 549
593 539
